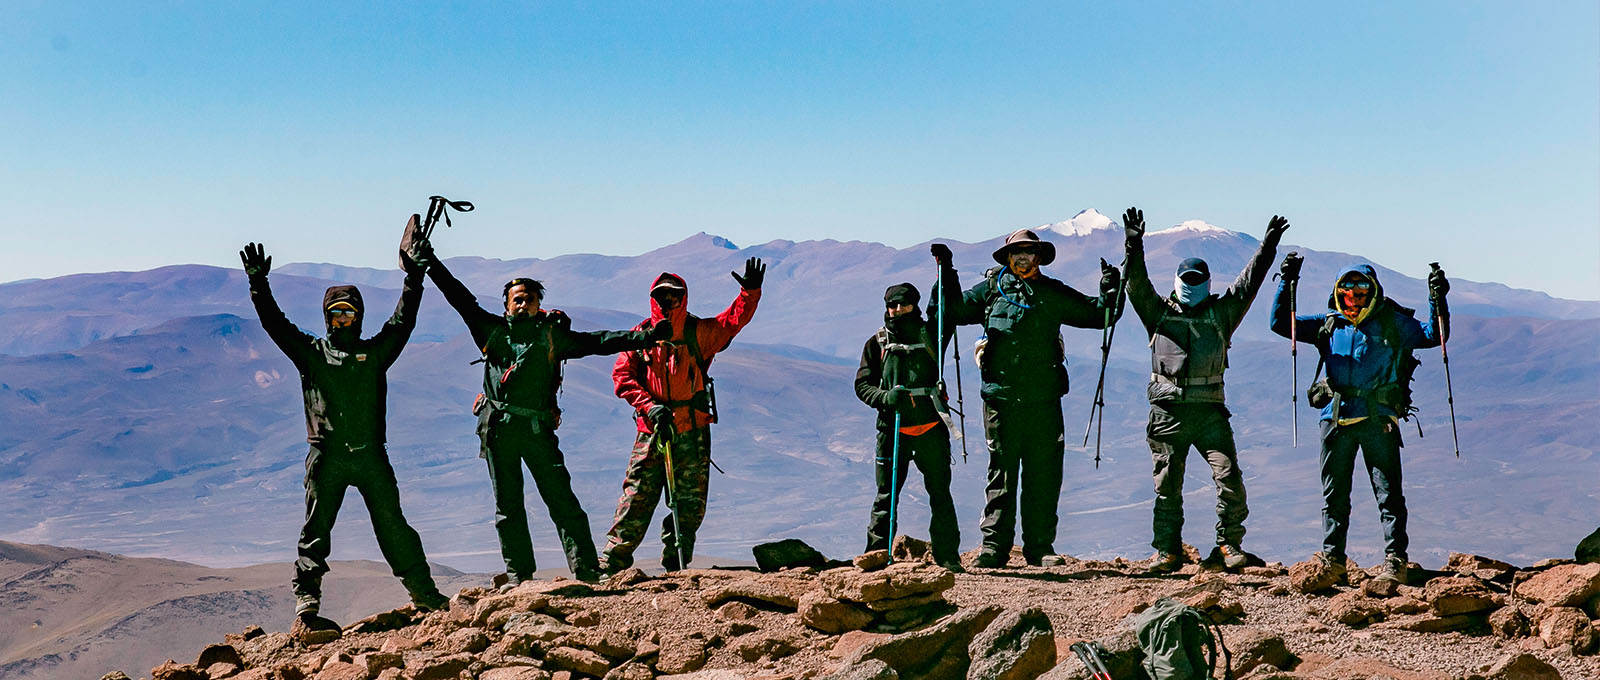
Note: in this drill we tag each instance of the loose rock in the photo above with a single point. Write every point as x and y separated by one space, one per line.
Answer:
787 553
1017 645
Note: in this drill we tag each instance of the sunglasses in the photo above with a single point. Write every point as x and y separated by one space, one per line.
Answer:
341 312
1030 250
1355 285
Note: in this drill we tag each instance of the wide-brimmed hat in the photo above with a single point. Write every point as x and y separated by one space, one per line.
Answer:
1021 237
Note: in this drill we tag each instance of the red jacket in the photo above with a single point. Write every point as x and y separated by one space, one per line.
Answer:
648 377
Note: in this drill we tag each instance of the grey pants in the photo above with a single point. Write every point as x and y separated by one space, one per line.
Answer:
1172 430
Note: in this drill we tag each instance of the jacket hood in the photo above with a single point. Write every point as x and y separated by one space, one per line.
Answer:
1366 271
346 294
678 314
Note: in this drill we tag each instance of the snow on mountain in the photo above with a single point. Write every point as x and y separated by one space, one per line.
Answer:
1198 226
1081 224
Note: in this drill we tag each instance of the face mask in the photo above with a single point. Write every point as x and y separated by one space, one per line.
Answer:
1191 294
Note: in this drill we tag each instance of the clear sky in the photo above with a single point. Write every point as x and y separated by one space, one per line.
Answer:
140 134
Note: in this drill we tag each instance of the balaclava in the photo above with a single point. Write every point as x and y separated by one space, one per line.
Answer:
1193 282
902 294
343 296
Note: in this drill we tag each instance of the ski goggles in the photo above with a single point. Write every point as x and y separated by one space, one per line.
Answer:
1355 285
341 312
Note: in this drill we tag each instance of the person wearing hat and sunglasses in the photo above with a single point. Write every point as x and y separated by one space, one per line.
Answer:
673 407
1365 339
1022 363
1190 332
344 383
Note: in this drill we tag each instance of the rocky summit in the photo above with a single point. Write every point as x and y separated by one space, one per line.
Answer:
894 615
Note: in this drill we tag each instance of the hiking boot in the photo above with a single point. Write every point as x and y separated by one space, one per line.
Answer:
588 574
611 565
430 601
669 562
1233 557
1166 563
953 564
988 559
307 605
1046 560
512 581
1333 567
1394 569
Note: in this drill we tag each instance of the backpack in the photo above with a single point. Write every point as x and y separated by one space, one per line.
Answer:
706 399
1180 643
1397 393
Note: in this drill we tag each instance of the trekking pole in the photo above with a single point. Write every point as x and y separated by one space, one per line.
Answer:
1449 390
439 206
894 482
955 346
666 451
1091 661
1294 363
1097 410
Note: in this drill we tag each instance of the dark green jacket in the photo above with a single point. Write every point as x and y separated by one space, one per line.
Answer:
522 357
903 365
1023 359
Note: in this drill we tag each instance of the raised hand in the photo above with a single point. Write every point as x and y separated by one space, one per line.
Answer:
1110 279
255 259
1133 223
1438 285
659 331
754 273
1290 269
941 254
1276 227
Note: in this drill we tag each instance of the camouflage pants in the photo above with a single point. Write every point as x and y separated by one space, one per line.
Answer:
1171 432
642 490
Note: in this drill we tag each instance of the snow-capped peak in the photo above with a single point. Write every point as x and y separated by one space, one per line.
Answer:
1194 225
1081 224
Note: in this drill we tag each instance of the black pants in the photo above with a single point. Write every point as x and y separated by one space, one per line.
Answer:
1025 451
330 470
508 447
1171 432
931 452
1379 442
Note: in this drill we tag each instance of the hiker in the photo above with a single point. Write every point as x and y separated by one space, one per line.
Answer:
674 406
1365 340
1190 331
1022 362
523 350
343 381
899 376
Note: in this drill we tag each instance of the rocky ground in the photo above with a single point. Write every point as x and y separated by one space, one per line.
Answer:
799 616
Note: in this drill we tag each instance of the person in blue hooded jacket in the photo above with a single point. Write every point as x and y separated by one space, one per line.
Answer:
1363 339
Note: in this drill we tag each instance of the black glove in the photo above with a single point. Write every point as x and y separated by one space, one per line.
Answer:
754 272
1438 285
417 262
560 319
894 395
941 254
1290 269
1110 280
660 418
1133 224
256 261
1275 228
659 331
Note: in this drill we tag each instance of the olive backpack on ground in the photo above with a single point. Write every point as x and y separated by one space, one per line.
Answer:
1179 642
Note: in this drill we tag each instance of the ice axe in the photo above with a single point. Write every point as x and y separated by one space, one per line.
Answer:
666 453
1449 390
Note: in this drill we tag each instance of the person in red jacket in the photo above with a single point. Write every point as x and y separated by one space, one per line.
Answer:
673 408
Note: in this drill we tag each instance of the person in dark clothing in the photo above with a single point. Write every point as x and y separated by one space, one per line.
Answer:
899 374
1189 335
1364 339
343 379
1023 366
518 415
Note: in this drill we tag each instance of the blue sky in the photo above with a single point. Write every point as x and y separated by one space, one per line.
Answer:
137 135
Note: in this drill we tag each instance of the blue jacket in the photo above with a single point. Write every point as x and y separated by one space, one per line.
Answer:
1358 356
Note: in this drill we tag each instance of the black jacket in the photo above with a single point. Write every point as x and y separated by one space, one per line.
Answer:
904 366
342 377
522 357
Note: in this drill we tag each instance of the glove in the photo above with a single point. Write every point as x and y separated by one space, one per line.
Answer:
1276 227
1133 224
941 254
1438 285
894 396
256 261
419 260
1110 280
660 418
754 272
1290 269
658 331
560 319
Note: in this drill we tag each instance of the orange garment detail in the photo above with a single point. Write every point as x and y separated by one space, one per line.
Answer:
914 430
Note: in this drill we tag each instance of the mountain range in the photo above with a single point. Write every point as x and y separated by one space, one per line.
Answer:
145 413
